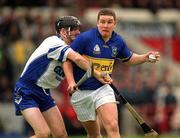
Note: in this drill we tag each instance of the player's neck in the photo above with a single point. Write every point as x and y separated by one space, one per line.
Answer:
106 38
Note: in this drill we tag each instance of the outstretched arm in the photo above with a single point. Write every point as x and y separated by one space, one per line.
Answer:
140 59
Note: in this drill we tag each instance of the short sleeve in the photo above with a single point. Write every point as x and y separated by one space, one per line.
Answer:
59 53
125 53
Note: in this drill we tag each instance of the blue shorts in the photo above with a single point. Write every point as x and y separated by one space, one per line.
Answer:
31 96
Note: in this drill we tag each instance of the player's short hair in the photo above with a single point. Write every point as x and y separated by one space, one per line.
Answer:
66 22
106 11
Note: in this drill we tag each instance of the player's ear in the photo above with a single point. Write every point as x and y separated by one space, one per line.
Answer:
63 32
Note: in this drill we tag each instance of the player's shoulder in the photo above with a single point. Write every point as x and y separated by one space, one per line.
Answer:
116 36
53 41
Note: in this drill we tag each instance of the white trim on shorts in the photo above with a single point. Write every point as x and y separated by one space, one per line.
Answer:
85 102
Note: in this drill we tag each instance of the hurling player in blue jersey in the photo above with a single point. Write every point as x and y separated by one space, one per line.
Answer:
101 45
43 71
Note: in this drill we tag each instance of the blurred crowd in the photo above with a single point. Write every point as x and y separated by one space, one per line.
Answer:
152 94
153 5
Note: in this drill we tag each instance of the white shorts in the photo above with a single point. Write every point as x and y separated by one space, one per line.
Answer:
85 102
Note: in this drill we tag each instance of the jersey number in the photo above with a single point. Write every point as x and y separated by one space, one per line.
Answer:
59 70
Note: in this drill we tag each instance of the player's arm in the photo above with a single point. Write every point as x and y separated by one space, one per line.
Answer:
68 71
142 58
83 64
130 58
68 68
78 60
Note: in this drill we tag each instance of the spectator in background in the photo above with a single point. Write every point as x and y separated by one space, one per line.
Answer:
167 4
141 4
166 102
177 4
126 3
155 5
6 77
166 107
1 127
147 107
19 49
170 101
176 42
175 121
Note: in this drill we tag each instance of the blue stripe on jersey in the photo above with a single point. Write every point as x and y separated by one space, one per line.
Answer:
60 58
53 49
35 69
62 53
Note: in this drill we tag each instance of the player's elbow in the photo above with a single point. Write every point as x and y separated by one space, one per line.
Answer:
79 59
81 62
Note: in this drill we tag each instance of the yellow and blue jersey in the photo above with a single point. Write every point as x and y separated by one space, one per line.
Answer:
102 54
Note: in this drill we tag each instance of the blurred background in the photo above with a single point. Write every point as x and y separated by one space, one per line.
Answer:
153 89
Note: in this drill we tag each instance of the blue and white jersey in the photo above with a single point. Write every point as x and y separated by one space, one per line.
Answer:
44 67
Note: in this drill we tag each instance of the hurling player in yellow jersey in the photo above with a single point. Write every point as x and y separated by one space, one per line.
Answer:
101 45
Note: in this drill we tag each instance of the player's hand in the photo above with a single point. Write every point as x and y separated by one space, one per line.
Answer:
153 56
105 78
72 88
